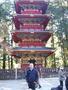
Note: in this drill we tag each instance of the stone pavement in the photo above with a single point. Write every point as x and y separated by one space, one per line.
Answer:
46 83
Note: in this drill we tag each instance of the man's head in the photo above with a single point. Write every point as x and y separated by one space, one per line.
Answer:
31 66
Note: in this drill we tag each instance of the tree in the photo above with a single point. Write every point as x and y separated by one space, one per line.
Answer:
58 10
5 20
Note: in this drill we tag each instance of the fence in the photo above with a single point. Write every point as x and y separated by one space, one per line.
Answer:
11 74
19 73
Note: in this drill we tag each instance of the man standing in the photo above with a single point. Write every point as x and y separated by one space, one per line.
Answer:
32 77
61 77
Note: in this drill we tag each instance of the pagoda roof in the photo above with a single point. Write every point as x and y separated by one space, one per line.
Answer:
20 19
41 51
30 4
18 35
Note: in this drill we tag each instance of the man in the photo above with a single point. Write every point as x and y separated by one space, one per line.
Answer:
61 77
32 77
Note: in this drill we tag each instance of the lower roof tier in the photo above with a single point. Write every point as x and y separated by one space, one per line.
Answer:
20 19
30 4
19 35
40 51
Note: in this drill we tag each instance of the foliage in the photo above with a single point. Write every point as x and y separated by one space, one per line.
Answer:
59 24
5 10
5 19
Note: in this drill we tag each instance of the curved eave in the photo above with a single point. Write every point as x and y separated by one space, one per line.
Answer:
34 51
42 5
26 18
31 31
43 49
42 35
44 17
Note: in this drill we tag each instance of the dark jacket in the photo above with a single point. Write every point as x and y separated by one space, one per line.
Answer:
32 76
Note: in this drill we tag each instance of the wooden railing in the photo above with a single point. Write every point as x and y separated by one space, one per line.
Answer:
20 74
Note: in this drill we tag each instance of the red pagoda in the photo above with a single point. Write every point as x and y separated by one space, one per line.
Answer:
30 31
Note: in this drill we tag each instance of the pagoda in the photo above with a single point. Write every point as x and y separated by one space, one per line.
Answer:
30 32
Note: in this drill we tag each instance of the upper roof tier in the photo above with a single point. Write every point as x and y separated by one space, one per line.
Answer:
21 5
20 19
